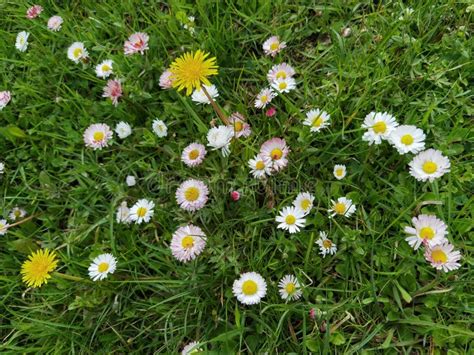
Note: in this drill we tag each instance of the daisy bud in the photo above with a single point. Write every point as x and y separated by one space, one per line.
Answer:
346 32
312 313
271 112
235 195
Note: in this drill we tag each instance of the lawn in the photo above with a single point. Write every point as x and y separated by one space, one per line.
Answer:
375 294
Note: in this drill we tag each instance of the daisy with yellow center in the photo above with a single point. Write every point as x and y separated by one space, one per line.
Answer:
259 167
187 243
284 85
191 71
429 165
304 201
192 195
4 226
250 288
142 211
443 256
104 69
273 45
193 154
280 71
97 136
407 139
326 246
22 41
37 269
275 152
339 171
102 266
239 127
291 219
289 288
264 97
317 120
200 97
17 213
427 230
77 52
343 207
379 126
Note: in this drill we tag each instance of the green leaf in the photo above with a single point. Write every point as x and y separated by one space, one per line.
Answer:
337 338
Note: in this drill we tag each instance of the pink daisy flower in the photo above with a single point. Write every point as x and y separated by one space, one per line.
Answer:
55 22
272 46
274 152
187 243
443 256
34 11
5 97
113 90
166 80
193 154
137 42
280 71
97 136
238 124
192 195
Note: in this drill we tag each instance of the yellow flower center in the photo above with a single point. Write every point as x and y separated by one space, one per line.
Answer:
77 52
281 75
439 256
141 211
339 208
238 126
260 165
407 139
276 153
17 213
427 233
317 122
290 287
187 242
305 204
274 46
22 41
283 85
264 98
103 267
193 154
290 219
327 243
105 67
191 194
429 167
380 127
339 172
249 287
98 136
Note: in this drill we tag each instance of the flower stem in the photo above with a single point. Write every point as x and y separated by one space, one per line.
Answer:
216 108
68 277
23 220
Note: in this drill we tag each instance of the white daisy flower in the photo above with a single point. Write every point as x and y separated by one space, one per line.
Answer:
220 138
343 206
259 167
187 243
291 219
339 171
192 348
2 168
123 213
428 230
280 71
5 97
275 152
284 85
123 129
250 288
159 127
97 136
443 257
104 69
407 139
22 41
264 97
379 126
289 288
142 211
102 266
239 126
273 45
130 180
54 23
77 52
17 213
326 246
200 97
317 120
193 154
304 201
192 194
3 226
429 165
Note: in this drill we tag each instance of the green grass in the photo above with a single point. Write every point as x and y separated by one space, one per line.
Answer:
390 299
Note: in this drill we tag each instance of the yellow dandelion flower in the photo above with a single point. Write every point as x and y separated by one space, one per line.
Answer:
191 70
36 270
